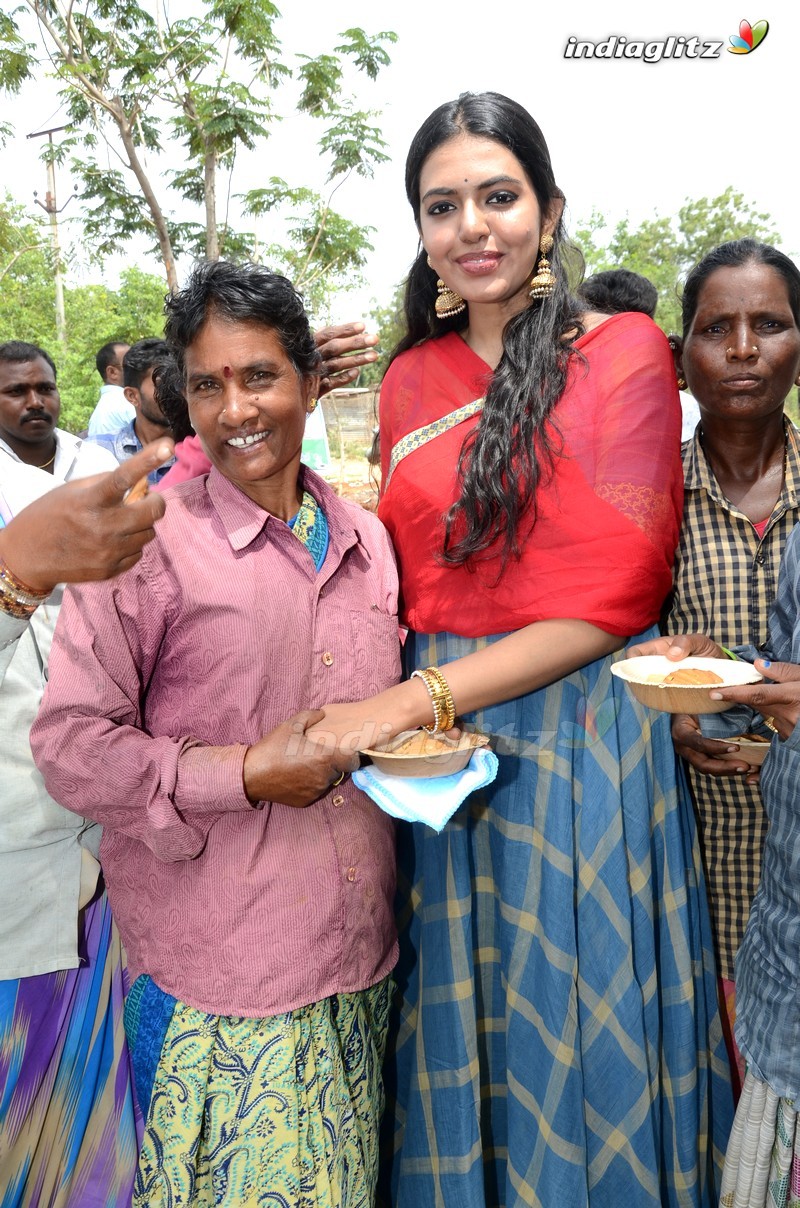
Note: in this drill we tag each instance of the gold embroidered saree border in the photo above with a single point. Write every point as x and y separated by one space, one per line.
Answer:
420 436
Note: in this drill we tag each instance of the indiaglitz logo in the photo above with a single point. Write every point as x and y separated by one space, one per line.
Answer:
674 46
749 37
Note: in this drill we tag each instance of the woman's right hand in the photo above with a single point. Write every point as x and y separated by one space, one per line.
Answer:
679 646
705 753
287 766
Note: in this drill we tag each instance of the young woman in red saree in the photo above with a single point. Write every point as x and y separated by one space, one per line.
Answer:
557 1038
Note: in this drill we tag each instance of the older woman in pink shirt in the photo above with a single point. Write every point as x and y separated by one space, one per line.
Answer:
251 881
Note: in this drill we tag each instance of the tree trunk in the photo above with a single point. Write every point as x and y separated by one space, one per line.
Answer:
156 213
210 192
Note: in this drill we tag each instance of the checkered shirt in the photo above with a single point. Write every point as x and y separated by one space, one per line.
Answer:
725 580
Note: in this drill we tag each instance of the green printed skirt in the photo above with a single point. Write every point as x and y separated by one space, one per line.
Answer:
245 1113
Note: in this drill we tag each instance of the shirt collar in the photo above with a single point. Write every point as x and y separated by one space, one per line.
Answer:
243 519
697 473
791 482
127 440
67 447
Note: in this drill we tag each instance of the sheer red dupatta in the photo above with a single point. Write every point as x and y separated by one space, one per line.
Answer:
608 516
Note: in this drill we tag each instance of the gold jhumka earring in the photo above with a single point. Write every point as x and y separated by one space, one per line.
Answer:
543 282
448 302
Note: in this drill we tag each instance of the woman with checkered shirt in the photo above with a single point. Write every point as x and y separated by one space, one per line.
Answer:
740 355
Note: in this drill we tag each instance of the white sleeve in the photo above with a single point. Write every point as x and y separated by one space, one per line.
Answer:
11 630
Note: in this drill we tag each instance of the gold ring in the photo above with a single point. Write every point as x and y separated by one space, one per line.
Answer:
769 722
338 779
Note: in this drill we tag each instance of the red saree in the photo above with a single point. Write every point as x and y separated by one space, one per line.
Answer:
607 517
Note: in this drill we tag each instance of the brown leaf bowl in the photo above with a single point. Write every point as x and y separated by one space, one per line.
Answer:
430 754
751 750
681 698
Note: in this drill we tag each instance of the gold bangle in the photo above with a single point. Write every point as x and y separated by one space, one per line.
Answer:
12 607
444 712
446 697
16 598
432 688
10 585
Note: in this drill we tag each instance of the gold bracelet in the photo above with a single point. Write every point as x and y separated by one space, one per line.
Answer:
432 687
12 586
446 697
16 598
444 713
12 607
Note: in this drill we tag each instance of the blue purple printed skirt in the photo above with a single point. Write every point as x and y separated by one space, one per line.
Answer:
556 1036
67 1130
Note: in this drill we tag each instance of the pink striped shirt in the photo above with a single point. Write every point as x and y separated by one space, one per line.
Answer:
222 631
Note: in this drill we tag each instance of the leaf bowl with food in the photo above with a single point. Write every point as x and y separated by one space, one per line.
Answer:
417 754
684 686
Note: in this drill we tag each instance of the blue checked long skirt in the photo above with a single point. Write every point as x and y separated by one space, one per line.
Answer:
556 1039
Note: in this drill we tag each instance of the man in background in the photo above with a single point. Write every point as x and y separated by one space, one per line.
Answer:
141 363
619 290
29 409
113 410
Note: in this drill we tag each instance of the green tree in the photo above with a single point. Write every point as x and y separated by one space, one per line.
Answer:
27 300
136 83
664 248
95 313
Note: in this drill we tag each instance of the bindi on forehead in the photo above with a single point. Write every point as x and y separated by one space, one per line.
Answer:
227 371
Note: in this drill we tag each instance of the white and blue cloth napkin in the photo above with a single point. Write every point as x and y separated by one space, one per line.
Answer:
432 800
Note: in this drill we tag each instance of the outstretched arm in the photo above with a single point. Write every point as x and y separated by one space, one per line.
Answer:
533 657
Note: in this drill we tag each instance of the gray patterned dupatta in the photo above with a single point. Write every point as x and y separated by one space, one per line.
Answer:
420 436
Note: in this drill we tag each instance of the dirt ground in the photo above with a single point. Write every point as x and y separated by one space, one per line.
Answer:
354 479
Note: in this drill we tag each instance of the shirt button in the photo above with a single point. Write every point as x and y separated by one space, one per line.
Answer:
760 559
351 874
338 799
327 658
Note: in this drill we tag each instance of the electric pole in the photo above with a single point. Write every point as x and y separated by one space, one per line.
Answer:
51 209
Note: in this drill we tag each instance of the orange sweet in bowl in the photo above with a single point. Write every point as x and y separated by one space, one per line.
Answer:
655 681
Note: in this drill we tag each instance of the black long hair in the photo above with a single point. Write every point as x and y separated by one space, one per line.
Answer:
503 460
733 255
